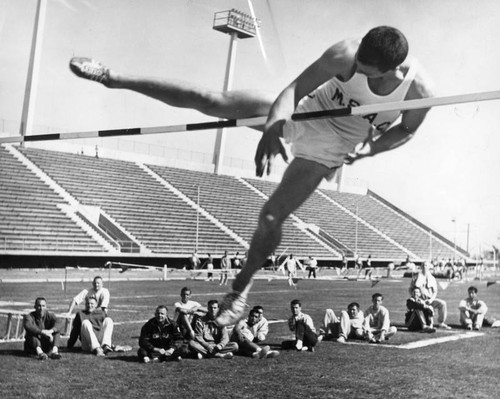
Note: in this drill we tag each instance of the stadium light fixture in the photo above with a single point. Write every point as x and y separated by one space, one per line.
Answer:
239 26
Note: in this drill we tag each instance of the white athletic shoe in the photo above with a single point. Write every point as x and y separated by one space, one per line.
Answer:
272 354
226 356
232 307
90 69
263 353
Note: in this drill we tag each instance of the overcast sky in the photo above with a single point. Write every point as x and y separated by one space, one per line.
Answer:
450 170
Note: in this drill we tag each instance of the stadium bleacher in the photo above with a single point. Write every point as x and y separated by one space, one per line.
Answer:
30 219
170 212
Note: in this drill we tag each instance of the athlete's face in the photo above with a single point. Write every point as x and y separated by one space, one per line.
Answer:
472 295
90 305
296 309
161 315
213 309
185 296
377 302
40 307
353 311
253 318
97 284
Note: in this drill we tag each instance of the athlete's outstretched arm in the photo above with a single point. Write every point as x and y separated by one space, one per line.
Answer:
400 133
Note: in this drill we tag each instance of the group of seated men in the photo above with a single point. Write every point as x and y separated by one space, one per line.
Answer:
192 331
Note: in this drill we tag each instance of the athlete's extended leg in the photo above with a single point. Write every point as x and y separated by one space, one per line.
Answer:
299 182
235 104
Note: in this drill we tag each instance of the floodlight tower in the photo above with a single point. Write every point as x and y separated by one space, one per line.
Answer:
239 26
33 70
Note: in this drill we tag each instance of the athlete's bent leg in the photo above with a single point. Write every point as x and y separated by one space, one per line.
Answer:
300 180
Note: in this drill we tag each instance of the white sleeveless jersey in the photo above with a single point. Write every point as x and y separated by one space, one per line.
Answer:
327 141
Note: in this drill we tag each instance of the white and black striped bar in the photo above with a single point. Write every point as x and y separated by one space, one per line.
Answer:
400 105
259 121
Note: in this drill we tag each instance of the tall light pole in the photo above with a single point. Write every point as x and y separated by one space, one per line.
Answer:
239 26
33 69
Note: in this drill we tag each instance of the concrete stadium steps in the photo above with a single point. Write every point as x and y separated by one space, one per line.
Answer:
341 225
237 206
150 213
394 224
166 210
29 216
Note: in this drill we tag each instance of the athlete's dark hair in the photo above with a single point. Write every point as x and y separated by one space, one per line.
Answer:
40 298
212 302
383 47
353 305
296 302
472 288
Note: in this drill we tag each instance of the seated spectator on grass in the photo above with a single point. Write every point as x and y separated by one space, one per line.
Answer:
185 312
210 340
377 325
428 288
97 291
472 310
258 324
303 327
93 328
159 338
42 335
419 316
243 335
348 326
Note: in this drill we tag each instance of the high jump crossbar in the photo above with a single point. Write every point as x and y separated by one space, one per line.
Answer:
259 121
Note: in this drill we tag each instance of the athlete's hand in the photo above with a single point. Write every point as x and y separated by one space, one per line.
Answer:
363 149
169 352
48 334
269 146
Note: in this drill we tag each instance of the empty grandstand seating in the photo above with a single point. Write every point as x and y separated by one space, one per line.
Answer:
237 206
153 209
152 214
29 217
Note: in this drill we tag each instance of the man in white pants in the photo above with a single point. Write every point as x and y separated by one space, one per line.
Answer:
93 328
348 325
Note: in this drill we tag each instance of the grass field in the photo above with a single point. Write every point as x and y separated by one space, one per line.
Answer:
459 368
